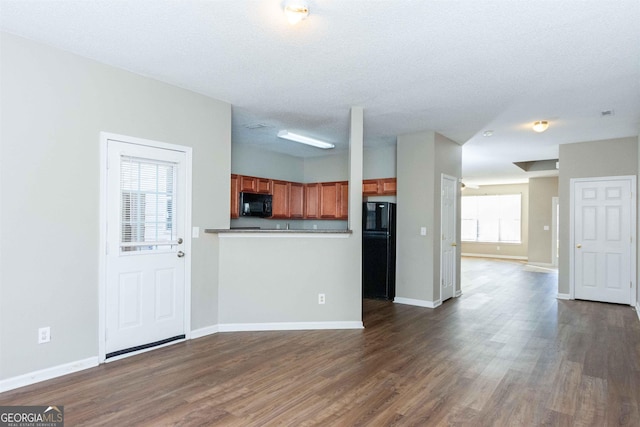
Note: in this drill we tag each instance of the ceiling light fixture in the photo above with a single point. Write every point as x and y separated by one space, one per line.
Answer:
487 133
540 126
304 140
296 12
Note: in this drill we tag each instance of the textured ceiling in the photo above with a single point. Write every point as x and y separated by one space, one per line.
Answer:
456 67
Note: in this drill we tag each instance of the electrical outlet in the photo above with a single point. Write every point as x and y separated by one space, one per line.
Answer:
321 299
44 335
498 247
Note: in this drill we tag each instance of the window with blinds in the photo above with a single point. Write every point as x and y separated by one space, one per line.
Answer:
147 203
493 218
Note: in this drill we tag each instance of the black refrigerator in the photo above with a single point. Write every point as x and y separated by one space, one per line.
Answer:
379 250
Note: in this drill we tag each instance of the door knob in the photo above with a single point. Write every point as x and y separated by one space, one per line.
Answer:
180 254
578 246
454 244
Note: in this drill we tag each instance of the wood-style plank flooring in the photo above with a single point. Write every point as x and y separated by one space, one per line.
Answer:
505 353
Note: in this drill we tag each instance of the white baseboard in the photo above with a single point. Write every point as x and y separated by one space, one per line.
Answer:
542 264
287 326
519 258
418 302
638 309
47 374
563 296
203 332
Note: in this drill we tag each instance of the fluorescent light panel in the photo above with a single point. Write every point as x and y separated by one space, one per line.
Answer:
304 140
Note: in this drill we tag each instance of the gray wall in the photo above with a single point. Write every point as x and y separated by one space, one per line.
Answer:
541 194
612 157
248 160
506 250
379 162
54 106
421 158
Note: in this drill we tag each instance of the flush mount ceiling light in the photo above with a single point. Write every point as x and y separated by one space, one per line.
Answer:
487 133
304 140
540 126
296 12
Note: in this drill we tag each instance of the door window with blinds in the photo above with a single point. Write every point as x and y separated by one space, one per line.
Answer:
147 205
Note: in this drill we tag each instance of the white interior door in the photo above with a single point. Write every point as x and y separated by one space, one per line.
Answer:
603 239
145 260
448 232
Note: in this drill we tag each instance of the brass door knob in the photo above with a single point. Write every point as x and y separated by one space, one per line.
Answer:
578 246
454 244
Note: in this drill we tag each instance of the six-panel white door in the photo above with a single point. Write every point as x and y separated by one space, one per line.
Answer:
602 240
145 264
448 237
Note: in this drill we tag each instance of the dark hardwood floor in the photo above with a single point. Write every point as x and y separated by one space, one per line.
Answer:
505 353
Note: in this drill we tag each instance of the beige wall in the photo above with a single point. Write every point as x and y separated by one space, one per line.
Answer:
541 194
54 106
612 157
507 250
421 158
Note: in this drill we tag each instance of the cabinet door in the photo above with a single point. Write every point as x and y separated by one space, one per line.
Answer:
280 201
235 202
369 187
312 201
387 186
296 200
343 210
248 184
329 197
263 185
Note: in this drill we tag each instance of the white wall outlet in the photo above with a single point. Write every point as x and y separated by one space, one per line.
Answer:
423 231
277 226
321 299
546 228
195 232
315 226
498 247
44 335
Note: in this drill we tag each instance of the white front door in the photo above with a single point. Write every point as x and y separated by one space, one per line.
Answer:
145 249
602 248
448 237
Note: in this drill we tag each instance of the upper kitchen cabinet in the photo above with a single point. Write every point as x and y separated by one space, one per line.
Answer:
379 187
280 202
312 201
296 200
235 199
252 184
334 200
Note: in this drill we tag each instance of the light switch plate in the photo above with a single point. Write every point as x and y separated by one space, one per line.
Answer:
195 232
423 231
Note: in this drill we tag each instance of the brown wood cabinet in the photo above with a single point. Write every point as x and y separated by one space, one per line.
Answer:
334 200
296 200
343 211
280 202
235 194
312 201
324 200
380 186
253 184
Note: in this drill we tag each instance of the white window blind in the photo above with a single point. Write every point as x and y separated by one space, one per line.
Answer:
148 209
495 218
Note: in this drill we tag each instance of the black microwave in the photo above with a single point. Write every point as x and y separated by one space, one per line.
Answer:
252 204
